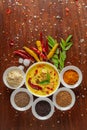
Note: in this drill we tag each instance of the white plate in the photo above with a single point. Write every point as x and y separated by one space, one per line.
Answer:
13 102
71 68
36 114
67 107
5 76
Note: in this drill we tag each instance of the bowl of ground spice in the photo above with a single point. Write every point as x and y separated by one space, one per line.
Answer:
64 99
71 76
21 99
42 108
13 77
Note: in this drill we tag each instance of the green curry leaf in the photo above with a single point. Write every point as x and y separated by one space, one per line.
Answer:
68 47
68 38
46 81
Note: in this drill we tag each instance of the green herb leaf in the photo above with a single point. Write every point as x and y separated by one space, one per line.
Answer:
57 51
51 41
55 61
60 55
46 81
63 55
63 42
56 64
48 77
69 38
62 46
55 56
68 47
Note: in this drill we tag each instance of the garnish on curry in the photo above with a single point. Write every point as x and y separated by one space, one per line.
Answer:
42 79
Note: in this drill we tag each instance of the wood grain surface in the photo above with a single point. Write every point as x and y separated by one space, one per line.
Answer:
21 22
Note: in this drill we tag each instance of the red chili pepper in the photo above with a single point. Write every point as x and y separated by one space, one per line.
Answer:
47 47
30 57
23 54
36 72
34 86
43 56
43 47
36 50
39 53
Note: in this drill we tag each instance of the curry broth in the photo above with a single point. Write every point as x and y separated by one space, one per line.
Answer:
38 73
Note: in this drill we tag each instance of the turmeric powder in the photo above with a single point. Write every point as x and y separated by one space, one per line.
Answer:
71 77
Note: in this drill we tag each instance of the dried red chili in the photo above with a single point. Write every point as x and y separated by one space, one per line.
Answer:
34 86
39 53
47 47
23 54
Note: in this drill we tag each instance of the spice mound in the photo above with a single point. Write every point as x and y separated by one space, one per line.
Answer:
63 98
21 99
71 77
43 108
14 77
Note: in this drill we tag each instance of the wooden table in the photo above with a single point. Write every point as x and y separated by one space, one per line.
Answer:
21 22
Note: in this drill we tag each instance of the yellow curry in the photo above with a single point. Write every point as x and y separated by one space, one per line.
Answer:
42 79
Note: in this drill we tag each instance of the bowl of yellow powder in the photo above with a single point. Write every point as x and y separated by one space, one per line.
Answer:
71 76
13 77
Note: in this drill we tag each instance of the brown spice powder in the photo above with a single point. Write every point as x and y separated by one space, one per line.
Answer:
71 77
63 98
22 99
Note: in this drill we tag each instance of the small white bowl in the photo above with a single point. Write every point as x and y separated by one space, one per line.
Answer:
5 76
71 68
13 101
72 102
36 114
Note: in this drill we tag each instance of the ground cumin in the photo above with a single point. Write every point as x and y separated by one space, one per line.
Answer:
71 77
21 99
63 98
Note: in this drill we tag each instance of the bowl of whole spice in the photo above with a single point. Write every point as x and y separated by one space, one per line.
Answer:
71 76
21 99
42 108
64 99
13 77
